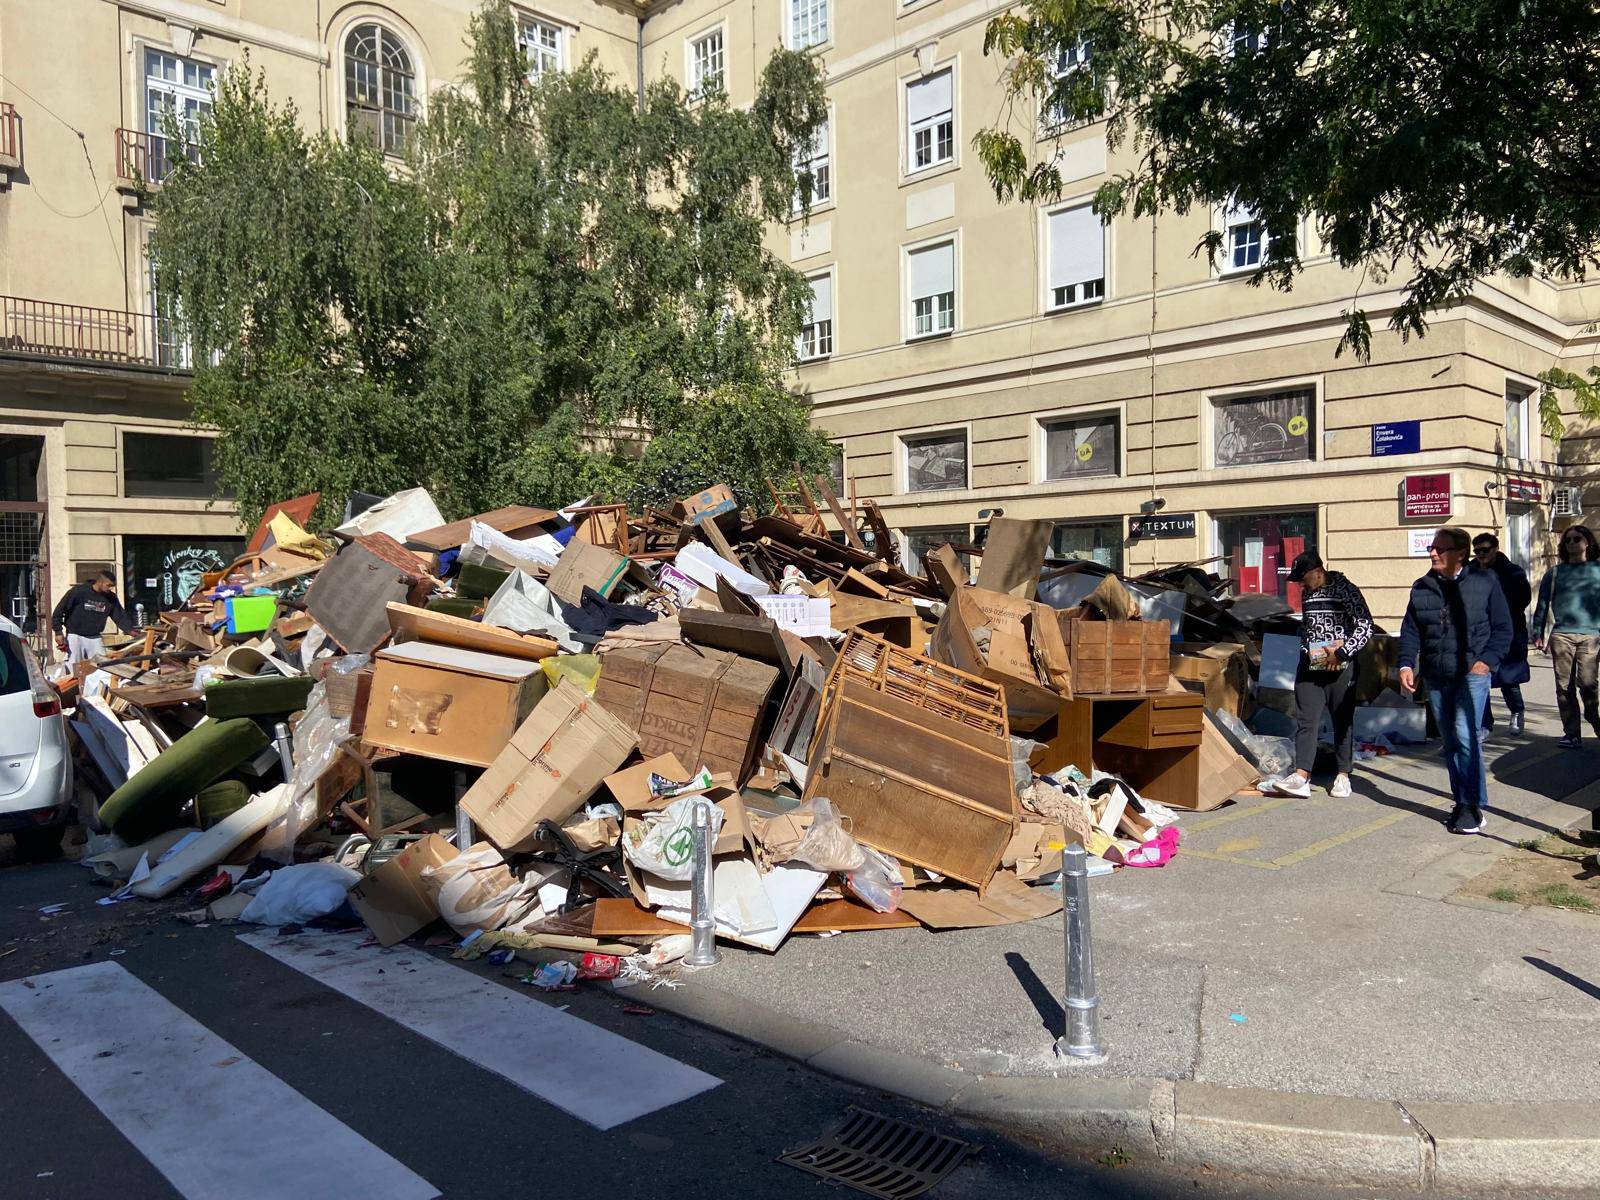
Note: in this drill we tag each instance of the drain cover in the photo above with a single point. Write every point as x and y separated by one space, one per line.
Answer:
881 1156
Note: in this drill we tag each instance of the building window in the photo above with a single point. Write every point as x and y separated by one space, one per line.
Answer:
541 46
931 276
1077 258
380 88
1089 541
1244 38
1246 240
1518 544
168 466
936 462
930 121
815 339
707 67
1069 59
168 348
919 542
1272 428
160 573
1259 548
815 160
179 91
808 23
1519 407
1081 447
836 467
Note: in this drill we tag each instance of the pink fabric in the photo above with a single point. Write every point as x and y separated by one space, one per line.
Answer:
1157 852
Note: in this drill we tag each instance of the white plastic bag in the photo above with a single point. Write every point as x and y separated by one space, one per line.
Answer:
476 890
663 843
301 893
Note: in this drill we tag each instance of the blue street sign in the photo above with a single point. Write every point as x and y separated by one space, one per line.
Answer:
1396 437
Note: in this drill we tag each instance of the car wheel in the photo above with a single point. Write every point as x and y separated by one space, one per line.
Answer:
39 845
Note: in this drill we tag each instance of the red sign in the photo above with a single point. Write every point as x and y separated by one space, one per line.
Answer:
1426 496
1522 490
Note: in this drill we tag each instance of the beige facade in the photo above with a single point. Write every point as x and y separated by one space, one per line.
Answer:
976 355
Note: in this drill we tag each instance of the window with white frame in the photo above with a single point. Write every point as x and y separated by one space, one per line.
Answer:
1246 240
1081 447
1069 60
930 121
931 286
1077 257
178 90
380 88
1273 427
919 543
541 46
1519 407
1244 38
936 462
815 339
808 23
816 160
707 66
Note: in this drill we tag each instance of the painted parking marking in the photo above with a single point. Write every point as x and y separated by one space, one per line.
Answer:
1228 850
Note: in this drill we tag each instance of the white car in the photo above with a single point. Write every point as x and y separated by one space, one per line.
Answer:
35 761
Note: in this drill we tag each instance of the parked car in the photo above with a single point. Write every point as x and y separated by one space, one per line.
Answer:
35 762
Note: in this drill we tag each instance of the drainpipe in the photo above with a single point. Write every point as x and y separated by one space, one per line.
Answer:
638 61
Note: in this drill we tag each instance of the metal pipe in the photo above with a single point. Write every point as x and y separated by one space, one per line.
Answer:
1082 1038
702 921
285 744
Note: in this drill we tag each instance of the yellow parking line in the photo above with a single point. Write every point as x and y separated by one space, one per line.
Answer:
1339 839
1187 851
1237 815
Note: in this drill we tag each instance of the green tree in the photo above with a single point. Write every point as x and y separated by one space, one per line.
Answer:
565 289
1441 141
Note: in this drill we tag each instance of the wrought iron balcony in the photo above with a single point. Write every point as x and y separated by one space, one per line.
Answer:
10 138
146 157
77 332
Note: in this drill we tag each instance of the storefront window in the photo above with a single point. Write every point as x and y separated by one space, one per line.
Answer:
168 466
1518 544
1271 428
936 462
920 541
1092 541
160 572
1258 549
1080 447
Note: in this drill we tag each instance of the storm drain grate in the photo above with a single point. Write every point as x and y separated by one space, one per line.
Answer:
881 1156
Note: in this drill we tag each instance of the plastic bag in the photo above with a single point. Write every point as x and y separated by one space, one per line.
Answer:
476 890
877 883
301 893
582 669
1021 751
827 846
317 739
663 843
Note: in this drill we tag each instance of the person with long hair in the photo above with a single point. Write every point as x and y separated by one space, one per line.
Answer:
1513 669
1569 604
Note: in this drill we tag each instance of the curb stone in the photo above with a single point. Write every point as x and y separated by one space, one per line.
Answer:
1547 1149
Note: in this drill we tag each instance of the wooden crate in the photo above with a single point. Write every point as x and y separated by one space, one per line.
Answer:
704 706
917 755
1112 658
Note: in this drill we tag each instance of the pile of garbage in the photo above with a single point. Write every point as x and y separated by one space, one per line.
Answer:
509 722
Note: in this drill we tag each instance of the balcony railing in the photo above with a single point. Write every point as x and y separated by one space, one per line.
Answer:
147 157
96 335
10 137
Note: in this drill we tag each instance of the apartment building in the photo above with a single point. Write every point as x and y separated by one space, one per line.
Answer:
967 356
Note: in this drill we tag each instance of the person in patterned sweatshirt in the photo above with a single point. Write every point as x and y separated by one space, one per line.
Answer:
1335 623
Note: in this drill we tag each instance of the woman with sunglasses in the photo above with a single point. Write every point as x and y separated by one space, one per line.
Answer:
1569 604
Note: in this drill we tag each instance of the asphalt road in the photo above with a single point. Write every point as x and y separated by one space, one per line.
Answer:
458 1127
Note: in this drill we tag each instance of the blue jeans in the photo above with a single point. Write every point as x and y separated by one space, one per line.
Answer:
1457 706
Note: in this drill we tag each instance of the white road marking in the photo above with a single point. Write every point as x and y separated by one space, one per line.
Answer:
214 1122
589 1072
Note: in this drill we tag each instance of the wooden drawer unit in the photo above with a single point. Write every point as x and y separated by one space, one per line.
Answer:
1167 722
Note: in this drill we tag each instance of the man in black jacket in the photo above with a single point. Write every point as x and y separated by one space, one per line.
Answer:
1455 632
82 615
1513 670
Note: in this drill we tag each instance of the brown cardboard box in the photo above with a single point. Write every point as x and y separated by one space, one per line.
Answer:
585 565
446 702
704 707
1221 673
1010 657
554 762
393 900
712 502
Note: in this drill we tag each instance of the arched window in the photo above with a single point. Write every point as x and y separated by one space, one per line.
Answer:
380 88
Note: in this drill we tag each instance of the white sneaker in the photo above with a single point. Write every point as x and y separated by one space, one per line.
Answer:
1290 785
1341 787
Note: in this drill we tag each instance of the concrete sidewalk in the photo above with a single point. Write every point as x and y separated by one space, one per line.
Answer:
1300 993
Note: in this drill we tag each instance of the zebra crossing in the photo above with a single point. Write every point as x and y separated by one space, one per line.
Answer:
215 1122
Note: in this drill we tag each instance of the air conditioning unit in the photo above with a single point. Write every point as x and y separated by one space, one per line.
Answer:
1566 502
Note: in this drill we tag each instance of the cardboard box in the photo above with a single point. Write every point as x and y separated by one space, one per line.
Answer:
712 502
554 762
704 707
1007 656
1221 673
446 702
585 565
393 900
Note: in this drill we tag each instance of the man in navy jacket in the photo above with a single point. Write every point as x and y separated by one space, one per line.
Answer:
1456 630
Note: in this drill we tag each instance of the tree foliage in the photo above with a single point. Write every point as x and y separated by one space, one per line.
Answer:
563 289
1438 141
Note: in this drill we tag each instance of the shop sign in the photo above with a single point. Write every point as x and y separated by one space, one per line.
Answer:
1421 542
1425 496
1396 437
1161 525
1522 490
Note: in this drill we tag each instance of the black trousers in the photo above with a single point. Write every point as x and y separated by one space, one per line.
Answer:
1316 692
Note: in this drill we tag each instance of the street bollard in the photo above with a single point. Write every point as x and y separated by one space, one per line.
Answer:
466 835
1082 1038
702 921
285 744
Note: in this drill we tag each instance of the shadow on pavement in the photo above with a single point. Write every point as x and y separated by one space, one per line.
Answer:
1051 1014
1583 985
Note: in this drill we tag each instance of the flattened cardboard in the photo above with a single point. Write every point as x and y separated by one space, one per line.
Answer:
1013 555
555 761
449 703
421 624
630 787
394 901
1007 901
585 565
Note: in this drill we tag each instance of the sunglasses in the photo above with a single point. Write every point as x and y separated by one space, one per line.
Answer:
1436 549
1575 537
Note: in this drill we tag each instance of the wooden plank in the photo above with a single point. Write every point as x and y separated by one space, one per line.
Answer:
847 916
839 515
424 625
719 542
510 521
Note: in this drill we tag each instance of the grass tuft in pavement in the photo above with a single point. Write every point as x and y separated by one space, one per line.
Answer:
1564 895
1504 894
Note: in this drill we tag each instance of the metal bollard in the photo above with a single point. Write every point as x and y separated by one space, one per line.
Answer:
1082 1039
466 835
702 921
284 741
